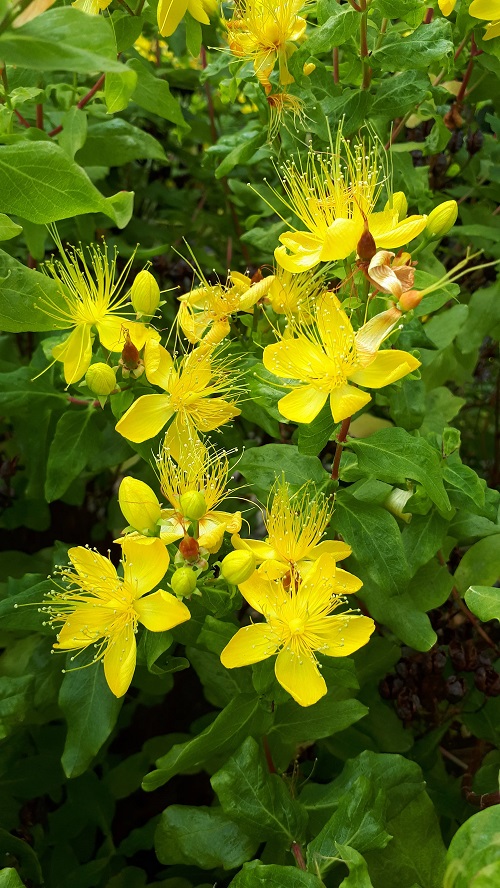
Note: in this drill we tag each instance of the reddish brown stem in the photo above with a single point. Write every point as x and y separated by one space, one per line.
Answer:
299 857
82 402
81 104
342 435
39 116
269 759
336 75
429 15
468 71
22 120
208 93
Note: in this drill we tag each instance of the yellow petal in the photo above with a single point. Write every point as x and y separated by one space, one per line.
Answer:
341 239
347 400
250 645
485 9
306 251
447 6
211 535
75 353
145 418
146 564
92 565
372 334
262 594
88 624
318 585
343 634
402 233
302 404
211 413
335 329
169 14
197 10
159 365
113 332
338 549
182 441
492 30
259 548
295 359
161 611
387 366
299 675
119 661
346 583
232 520
139 505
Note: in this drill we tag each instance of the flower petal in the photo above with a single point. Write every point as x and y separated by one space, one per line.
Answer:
387 366
113 332
335 330
259 548
346 583
299 675
347 400
337 548
85 626
119 661
182 441
295 359
485 9
169 15
250 645
262 594
302 404
159 365
402 233
304 257
161 611
343 634
207 414
341 239
145 418
139 504
92 565
75 353
145 564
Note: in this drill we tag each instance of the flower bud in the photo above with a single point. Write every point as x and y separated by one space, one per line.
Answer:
130 355
410 299
101 379
308 68
192 505
238 566
183 582
139 505
366 247
145 294
400 204
189 548
442 218
396 502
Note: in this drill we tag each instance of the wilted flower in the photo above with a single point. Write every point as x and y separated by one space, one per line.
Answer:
390 273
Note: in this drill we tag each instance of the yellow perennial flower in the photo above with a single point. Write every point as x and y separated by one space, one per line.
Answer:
170 13
193 389
327 358
207 475
490 11
266 32
91 7
205 313
91 293
334 195
98 608
291 293
299 623
296 523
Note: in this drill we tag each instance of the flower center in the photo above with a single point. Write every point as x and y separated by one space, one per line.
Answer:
296 626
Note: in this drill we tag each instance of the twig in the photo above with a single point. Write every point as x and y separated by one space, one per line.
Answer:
21 119
39 116
465 610
429 15
81 104
335 58
468 71
344 428
269 759
299 857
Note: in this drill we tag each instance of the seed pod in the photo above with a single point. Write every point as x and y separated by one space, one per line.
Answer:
410 300
189 548
366 247
101 379
130 355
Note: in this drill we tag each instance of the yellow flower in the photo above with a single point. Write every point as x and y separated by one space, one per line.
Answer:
327 357
296 523
265 32
189 387
205 313
290 293
148 48
91 292
489 10
299 623
207 475
92 7
447 6
170 13
333 195
98 608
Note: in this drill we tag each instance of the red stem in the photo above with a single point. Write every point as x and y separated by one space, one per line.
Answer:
468 70
299 857
336 74
269 759
39 116
22 119
344 428
428 16
81 104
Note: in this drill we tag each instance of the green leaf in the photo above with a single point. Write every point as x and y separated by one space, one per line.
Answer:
91 711
245 148
16 697
243 717
256 800
118 89
484 309
74 131
115 142
63 39
396 95
193 34
393 9
336 31
20 290
71 447
407 403
202 837
394 455
427 44
8 228
374 536
127 29
262 465
256 875
480 565
484 602
358 821
19 392
314 436
468 489
473 857
9 878
358 871
14 615
26 859
153 94
57 187
422 538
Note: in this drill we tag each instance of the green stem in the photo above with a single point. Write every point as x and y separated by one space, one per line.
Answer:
383 29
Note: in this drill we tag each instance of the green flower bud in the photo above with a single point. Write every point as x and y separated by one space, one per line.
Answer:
442 218
193 505
238 566
145 294
183 582
139 505
101 379
396 502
